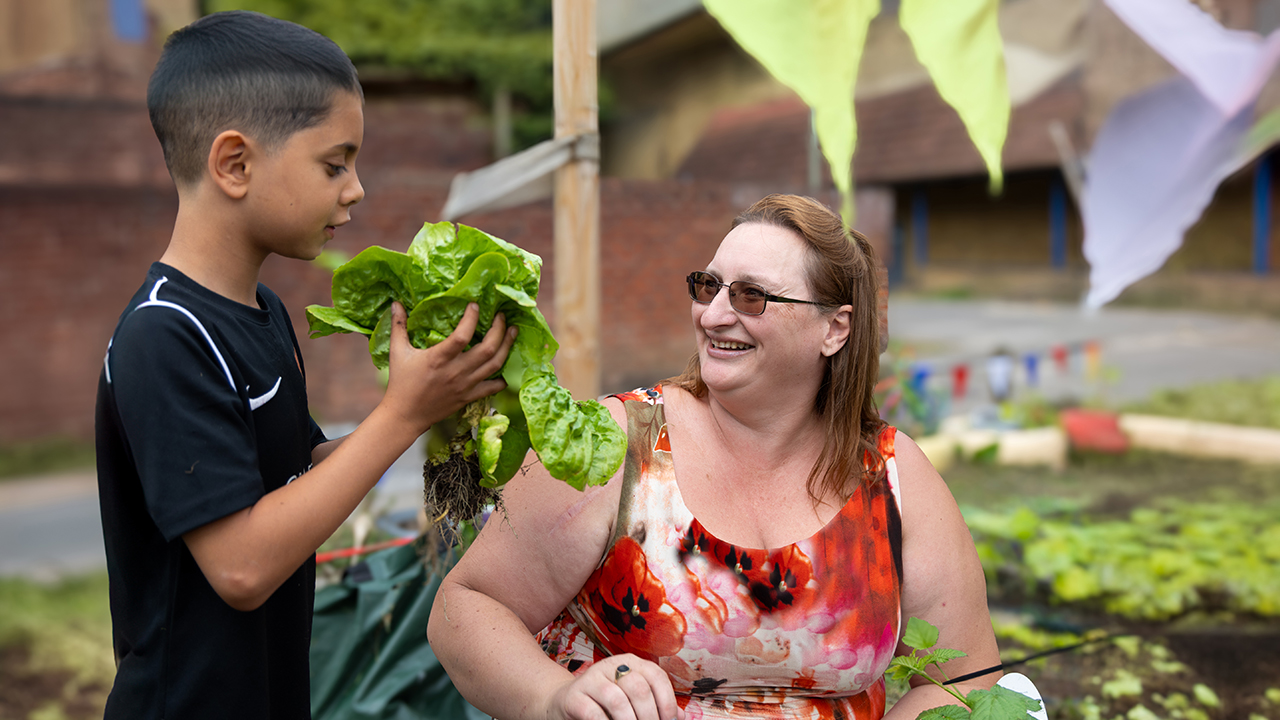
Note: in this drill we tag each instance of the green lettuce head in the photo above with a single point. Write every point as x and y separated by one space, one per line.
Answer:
447 267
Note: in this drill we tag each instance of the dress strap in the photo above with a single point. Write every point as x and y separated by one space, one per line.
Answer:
646 434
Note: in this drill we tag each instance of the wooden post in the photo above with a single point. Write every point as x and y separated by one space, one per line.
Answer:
577 201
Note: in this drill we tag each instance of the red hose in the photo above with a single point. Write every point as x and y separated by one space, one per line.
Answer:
331 555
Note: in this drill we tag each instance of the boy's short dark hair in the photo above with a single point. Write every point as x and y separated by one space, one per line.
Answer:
266 77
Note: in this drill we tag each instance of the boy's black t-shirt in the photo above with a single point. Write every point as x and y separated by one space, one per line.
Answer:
202 409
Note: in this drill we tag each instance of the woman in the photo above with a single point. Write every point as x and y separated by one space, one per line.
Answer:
766 540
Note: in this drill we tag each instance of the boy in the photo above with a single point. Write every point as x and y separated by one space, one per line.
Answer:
212 508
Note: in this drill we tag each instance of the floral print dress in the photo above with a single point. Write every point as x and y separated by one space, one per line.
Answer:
802 631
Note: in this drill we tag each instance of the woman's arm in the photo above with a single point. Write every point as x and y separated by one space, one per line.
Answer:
942 581
520 573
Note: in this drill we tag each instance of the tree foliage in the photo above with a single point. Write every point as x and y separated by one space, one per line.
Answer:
493 43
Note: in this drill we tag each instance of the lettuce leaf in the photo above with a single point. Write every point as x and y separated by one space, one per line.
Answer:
446 267
365 286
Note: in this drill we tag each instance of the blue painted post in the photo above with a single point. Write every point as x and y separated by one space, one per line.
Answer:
1262 216
1058 223
920 226
129 20
897 259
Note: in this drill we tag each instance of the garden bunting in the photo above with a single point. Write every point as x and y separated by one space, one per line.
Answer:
1005 369
814 47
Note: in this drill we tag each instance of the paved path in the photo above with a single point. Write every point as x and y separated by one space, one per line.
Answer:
51 525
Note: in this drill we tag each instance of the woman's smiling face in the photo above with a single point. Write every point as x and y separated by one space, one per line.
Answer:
779 350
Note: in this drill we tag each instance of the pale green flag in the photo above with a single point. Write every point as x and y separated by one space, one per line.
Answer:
958 42
813 47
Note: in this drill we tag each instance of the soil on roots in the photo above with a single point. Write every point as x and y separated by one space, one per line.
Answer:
452 491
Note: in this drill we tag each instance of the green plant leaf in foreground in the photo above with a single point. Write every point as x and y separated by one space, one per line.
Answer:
327 321
446 268
920 634
504 442
1000 703
904 667
945 712
942 655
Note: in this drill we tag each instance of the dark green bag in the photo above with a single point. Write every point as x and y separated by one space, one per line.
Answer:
369 653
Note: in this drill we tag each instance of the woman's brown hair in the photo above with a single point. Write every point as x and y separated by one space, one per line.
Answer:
841 270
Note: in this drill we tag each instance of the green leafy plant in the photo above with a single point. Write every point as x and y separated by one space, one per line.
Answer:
446 268
998 703
1157 564
483 44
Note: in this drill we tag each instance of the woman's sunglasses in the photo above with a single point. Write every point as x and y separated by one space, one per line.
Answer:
747 298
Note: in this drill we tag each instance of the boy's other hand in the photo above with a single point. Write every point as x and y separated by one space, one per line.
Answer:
426 386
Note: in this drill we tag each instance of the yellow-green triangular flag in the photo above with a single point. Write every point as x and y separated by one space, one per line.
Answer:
813 47
958 41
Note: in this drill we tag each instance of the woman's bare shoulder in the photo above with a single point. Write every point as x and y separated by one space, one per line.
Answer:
918 481
933 530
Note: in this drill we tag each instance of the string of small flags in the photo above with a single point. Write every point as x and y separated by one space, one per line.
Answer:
1001 366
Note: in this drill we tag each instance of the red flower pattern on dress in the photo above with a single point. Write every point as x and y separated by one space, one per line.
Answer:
630 604
786 585
648 396
776 579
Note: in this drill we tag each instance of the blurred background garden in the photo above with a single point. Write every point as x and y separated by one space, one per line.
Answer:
1119 467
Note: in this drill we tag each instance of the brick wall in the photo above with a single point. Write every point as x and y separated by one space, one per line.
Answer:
71 260
86 206
79 142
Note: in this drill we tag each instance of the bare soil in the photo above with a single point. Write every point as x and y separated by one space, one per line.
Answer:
23 690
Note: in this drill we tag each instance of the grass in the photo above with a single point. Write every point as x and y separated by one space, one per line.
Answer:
41 457
1235 402
66 624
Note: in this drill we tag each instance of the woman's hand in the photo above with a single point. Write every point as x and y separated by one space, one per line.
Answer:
622 687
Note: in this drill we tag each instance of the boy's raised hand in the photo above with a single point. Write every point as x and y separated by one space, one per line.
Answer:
426 386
